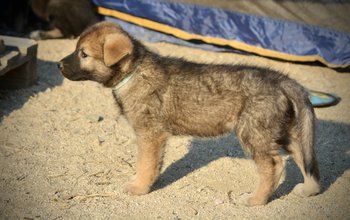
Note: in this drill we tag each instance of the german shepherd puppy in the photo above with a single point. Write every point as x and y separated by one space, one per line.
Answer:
67 18
163 96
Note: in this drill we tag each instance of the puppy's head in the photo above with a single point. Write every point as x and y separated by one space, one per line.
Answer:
102 52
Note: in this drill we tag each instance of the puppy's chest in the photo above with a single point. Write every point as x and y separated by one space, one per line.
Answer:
139 103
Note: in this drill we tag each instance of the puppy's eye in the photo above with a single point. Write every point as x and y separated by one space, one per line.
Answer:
83 54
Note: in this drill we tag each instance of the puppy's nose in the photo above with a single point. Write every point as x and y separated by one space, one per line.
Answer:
60 65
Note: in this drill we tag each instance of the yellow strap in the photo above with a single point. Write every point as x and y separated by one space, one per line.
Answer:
211 40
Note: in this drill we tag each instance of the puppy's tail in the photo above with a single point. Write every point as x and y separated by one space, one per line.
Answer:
302 138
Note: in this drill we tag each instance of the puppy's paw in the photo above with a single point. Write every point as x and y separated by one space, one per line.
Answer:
299 190
35 35
132 188
306 190
243 199
248 199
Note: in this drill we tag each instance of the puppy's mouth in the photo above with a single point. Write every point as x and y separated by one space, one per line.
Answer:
78 78
71 75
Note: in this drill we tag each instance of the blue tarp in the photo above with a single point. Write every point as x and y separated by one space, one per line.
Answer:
267 36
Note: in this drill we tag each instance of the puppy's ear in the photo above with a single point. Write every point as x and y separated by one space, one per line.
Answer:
116 47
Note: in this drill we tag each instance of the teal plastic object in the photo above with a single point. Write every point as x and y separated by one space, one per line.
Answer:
322 99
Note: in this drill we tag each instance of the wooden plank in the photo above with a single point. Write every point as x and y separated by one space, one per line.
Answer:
2 45
8 60
24 45
17 62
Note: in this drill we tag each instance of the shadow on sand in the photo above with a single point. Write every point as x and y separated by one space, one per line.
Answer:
332 146
48 77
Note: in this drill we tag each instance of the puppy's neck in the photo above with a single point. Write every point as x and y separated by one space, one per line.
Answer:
120 73
124 81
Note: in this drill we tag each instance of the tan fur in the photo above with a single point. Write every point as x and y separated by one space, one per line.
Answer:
167 96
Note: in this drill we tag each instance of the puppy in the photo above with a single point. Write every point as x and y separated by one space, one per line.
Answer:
67 18
162 96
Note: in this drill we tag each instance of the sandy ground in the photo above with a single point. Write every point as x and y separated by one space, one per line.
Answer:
65 153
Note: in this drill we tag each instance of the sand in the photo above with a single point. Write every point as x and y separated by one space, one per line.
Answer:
66 152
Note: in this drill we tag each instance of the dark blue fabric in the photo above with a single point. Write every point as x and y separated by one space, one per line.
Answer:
283 36
148 35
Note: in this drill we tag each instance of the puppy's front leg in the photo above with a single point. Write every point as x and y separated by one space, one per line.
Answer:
43 35
149 159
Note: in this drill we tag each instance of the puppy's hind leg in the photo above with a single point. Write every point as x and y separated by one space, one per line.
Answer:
149 159
302 150
258 131
270 168
309 169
